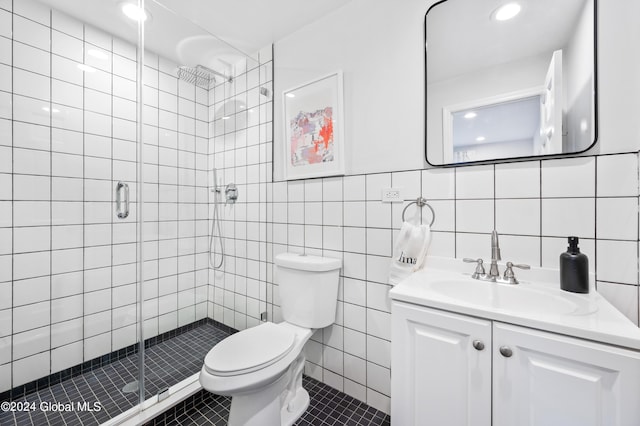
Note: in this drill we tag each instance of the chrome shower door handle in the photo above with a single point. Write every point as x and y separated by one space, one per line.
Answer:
122 203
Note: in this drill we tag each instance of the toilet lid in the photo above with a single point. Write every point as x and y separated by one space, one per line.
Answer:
249 350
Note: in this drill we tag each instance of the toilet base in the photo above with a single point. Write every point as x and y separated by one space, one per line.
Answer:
298 406
280 403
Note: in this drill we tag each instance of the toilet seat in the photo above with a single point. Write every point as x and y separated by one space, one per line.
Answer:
250 350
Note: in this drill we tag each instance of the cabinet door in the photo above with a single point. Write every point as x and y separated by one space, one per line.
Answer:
438 377
558 380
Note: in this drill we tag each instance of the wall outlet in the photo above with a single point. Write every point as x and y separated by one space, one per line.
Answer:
392 195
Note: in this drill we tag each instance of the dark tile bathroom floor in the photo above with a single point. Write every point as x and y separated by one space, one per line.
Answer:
166 364
328 406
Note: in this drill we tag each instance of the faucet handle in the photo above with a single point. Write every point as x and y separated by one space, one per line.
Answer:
479 268
509 276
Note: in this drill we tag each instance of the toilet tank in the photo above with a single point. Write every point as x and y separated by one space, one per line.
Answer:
308 289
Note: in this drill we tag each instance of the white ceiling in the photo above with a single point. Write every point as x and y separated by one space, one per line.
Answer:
207 32
466 28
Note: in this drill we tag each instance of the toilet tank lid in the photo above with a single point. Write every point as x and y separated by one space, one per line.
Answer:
307 263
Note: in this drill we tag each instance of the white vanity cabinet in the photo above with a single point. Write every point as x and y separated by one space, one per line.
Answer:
437 376
442 375
549 379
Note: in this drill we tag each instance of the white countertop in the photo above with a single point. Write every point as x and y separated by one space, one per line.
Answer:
536 302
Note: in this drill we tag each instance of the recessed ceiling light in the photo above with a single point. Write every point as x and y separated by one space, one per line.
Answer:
290 95
86 68
506 11
226 117
99 54
480 139
470 115
133 12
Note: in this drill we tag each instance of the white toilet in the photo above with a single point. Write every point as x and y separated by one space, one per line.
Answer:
261 367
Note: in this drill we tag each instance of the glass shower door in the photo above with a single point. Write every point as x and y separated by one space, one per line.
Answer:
68 213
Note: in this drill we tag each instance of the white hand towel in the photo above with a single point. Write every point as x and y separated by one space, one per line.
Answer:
409 252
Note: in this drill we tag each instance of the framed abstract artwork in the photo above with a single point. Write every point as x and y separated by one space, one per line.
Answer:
314 129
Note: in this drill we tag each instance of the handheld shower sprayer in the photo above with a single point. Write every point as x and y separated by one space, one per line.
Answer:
215 226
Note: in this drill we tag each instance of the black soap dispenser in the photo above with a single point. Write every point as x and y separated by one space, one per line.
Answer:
574 269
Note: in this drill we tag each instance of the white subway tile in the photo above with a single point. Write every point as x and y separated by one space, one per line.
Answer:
5 23
67 46
29 291
31 213
354 213
332 189
518 180
617 175
378 215
379 378
66 117
5 50
66 94
31 188
67 141
518 217
379 351
379 241
64 69
31 33
97 58
31 239
355 317
66 24
474 182
31 368
33 10
66 308
568 216
30 316
97 345
67 356
98 80
354 188
69 260
97 37
355 239
520 250
474 215
475 246
617 261
617 218
375 184
30 110
6 322
569 177
379 324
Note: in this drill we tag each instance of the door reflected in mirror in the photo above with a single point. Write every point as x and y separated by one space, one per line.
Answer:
512 80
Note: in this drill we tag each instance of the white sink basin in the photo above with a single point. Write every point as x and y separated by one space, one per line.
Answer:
508 297
537 302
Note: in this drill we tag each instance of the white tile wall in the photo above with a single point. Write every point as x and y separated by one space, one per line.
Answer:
534 205
68 268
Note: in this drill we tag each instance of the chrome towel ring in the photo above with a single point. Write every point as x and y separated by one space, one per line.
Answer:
420 202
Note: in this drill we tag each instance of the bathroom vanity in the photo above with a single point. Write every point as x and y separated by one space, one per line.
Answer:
471 352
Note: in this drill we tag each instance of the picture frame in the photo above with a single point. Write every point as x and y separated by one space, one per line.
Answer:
314 128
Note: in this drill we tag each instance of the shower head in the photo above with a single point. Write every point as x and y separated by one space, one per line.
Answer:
200 75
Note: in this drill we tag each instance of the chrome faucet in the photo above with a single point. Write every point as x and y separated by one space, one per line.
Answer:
495 256
494 274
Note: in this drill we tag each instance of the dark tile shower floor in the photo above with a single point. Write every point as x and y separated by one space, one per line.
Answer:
167 363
